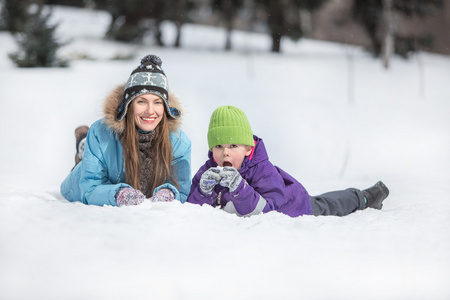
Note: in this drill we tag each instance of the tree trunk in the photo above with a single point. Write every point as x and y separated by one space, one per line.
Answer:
388 43
276 23
276 42
228 39
177 43
229 13
180 10
158 33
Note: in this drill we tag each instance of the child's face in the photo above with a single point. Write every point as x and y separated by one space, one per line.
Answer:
230 155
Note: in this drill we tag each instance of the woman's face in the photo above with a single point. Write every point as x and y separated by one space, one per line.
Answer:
148 110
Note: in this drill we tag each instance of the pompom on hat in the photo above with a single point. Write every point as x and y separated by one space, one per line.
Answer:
147 78
229 125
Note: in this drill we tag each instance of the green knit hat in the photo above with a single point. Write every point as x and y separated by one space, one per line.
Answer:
229 125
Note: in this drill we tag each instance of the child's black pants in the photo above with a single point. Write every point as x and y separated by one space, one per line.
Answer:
337 203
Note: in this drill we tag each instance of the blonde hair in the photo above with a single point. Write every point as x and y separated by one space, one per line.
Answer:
162 159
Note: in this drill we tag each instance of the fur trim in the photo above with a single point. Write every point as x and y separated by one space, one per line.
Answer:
113 101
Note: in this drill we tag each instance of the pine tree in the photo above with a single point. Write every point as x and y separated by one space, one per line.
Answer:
37 44
14 14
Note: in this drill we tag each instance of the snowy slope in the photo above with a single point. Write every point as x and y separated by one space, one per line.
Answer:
329 114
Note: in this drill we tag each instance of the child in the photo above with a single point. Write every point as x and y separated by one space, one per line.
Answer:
239 177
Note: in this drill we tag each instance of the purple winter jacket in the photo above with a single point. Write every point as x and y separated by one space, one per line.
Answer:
265 188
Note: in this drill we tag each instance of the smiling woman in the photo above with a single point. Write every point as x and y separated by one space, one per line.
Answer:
148 111
137 152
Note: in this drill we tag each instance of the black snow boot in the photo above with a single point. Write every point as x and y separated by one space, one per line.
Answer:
80 139
375 195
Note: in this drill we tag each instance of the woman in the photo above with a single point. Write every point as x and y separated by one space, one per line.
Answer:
137 151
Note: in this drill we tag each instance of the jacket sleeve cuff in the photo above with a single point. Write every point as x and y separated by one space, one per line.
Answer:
230 208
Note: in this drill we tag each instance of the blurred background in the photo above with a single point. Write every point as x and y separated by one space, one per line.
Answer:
344 93
352 72
383 27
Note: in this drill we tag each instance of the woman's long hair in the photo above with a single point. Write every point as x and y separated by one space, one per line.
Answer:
162 159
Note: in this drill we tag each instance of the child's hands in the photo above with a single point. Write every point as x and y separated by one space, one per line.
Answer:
209 180
230 178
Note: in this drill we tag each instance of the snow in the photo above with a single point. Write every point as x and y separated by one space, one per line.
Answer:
391 125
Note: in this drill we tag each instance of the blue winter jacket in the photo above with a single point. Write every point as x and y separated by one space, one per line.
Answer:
101 173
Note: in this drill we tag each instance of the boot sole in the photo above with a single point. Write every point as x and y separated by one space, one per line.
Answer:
384 192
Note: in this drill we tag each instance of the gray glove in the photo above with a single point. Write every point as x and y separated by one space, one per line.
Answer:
209 180
230 178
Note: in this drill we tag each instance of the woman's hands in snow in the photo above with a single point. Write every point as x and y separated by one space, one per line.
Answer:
163 195
130 196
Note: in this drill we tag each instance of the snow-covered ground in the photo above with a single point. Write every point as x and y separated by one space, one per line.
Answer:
329 114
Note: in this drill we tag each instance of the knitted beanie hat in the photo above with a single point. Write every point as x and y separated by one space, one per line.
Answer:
148 78
229 125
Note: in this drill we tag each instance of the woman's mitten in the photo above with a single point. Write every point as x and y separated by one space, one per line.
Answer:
163 195
230 178
129 196
209 180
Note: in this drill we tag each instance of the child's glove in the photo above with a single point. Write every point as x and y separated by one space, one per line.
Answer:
163 195
129 196
209 180
230 178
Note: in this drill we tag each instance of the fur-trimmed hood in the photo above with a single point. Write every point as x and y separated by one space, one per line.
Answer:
114 99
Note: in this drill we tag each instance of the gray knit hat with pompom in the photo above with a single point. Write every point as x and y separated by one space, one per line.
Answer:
148 78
